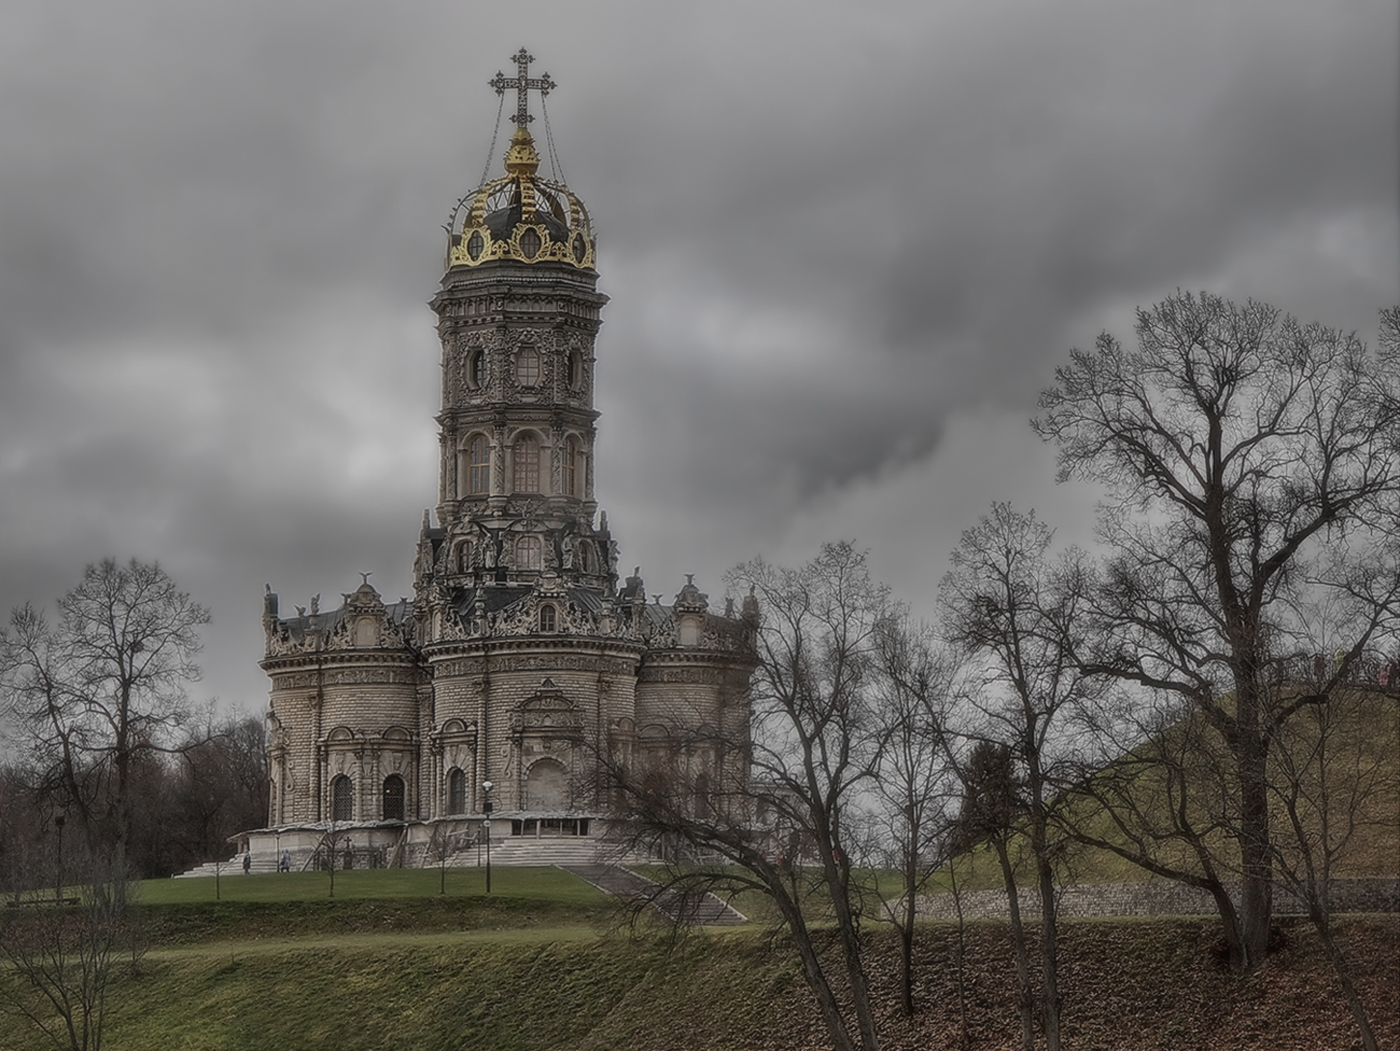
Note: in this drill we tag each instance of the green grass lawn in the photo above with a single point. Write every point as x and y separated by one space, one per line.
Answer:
539 884
545 963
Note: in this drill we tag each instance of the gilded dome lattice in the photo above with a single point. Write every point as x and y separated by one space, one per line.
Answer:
521 216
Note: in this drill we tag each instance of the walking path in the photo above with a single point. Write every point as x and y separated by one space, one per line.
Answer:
702 911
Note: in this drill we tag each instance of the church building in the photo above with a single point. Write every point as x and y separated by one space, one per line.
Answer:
398 727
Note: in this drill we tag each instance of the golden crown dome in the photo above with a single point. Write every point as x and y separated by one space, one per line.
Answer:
520 216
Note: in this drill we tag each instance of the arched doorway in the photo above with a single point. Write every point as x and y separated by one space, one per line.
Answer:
546 786
393 798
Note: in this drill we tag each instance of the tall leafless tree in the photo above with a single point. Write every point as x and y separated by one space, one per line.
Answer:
916 784
1248 460
788 827
1017 612
103 687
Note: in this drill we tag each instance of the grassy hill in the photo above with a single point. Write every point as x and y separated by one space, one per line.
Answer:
545 964
1357 760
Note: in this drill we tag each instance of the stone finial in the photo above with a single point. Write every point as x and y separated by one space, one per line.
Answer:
750 609
691 599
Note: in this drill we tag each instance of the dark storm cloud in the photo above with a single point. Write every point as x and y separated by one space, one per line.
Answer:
829 236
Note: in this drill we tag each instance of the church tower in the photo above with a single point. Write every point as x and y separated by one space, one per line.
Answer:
519 660
517 316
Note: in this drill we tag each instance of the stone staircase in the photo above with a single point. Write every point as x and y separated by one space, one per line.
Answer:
543 851
563 851
232 867
704 911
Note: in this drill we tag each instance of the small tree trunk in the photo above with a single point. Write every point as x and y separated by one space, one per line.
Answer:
1026 999
1317 912
1049 956
816 978
851 950
960 960
1256 860
906 932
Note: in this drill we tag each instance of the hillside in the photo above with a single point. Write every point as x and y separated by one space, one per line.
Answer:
521 974
1359 767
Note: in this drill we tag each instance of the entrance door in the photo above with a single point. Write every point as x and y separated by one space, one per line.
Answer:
546 787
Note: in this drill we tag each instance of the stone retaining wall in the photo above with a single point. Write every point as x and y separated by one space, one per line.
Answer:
1154 898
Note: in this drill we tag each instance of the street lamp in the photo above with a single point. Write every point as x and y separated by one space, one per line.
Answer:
58 887
486 787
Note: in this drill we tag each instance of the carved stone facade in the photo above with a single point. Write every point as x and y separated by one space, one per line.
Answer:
519 657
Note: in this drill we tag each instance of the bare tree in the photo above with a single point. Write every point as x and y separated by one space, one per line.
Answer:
1248 459
104 686
992 803
916 783
219 788
1329 772
62 958
1332 774
1016 612
787 827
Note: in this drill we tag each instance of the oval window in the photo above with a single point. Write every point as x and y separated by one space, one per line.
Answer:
527 367
474 246
530 243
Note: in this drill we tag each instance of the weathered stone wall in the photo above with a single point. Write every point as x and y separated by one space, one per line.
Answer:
1153 898
535 701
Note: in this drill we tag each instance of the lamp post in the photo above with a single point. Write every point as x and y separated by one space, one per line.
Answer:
58 887
486 787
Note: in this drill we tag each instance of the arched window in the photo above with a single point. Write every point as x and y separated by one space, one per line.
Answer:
464 557
527 367
342 799
702 796
547 619
571 458
576 370
456 792
478 465
587 556
393 798
476 368
528 553
527 464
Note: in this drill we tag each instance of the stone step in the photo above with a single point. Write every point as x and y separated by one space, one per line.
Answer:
232 867
511 851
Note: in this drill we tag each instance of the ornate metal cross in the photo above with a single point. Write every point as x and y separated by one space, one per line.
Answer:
522 82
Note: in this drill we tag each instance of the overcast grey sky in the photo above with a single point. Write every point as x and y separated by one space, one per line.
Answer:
846 247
